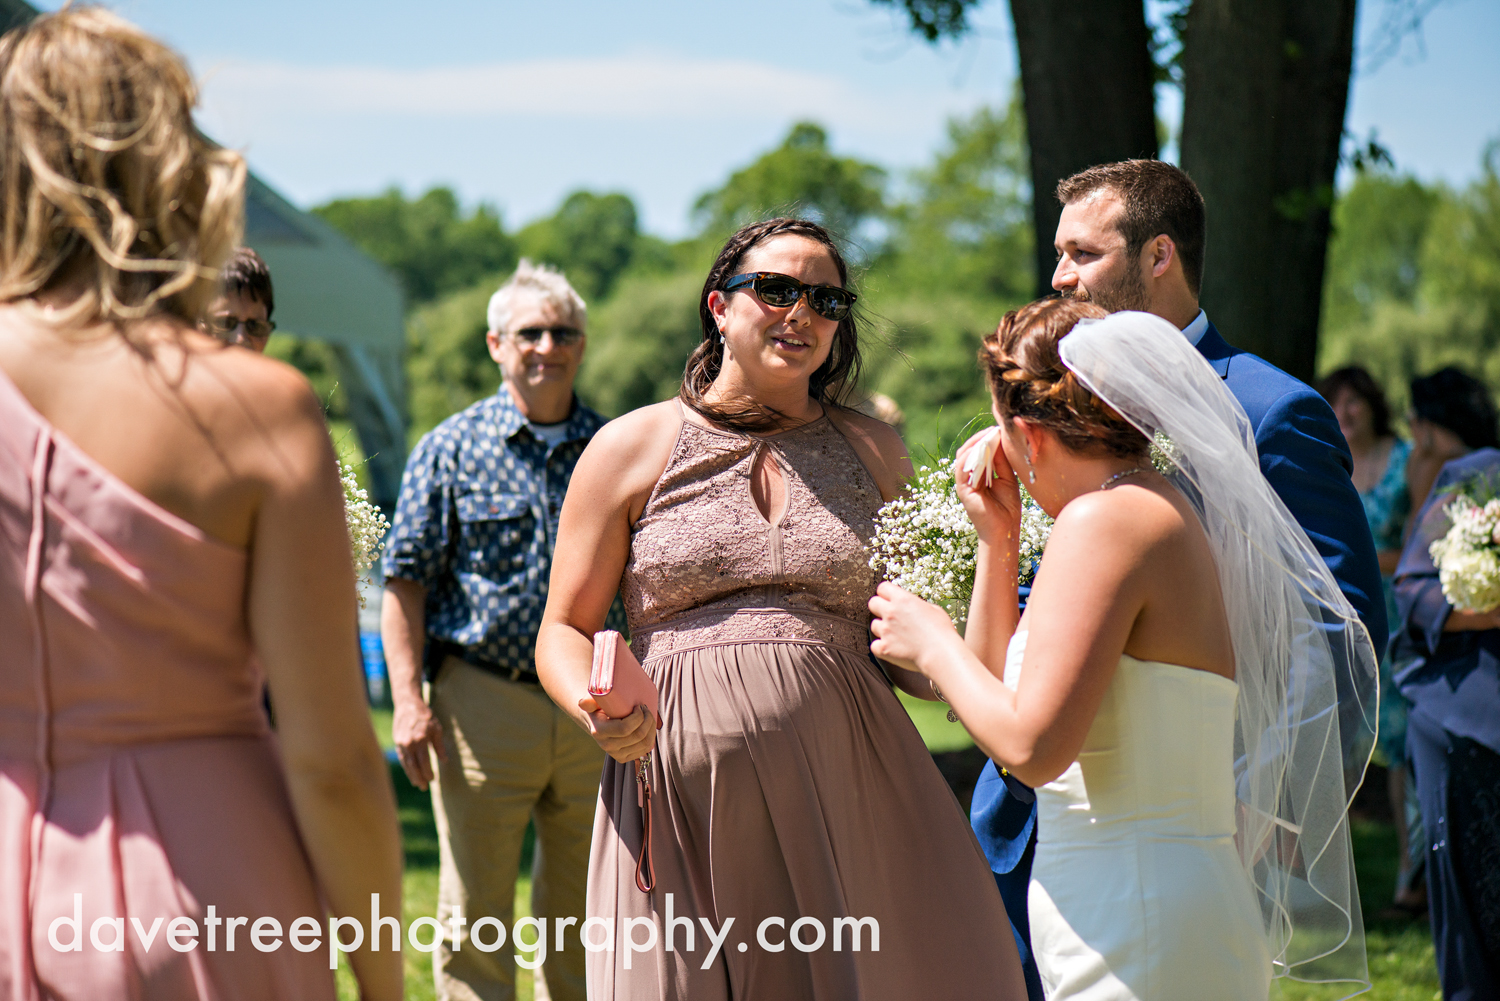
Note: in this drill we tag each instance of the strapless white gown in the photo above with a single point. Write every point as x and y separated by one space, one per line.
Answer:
1137 891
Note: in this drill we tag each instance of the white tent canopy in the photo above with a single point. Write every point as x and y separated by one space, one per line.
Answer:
327 290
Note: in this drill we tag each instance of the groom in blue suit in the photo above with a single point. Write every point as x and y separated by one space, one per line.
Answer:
1132 236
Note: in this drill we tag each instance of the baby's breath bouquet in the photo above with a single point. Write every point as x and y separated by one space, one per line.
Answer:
1468 557
366 524
925 542
1036 528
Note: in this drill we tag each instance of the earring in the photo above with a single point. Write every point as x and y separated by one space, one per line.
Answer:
1031 470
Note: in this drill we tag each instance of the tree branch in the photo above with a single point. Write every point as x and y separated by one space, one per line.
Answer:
935 20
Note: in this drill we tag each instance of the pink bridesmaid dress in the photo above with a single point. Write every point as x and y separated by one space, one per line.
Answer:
139 779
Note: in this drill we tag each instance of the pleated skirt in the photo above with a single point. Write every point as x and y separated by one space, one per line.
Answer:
800 821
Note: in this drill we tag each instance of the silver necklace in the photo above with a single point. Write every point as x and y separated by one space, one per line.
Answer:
1122 474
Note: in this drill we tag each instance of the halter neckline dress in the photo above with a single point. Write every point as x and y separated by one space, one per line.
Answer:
789 782
139 779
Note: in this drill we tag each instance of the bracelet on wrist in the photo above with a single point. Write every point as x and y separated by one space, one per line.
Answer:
952 716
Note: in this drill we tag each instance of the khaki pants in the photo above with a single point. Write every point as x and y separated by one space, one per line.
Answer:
512 755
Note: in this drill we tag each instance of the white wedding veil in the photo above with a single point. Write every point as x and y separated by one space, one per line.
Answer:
1304 663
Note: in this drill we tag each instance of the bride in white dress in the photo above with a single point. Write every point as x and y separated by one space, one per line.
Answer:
1188 691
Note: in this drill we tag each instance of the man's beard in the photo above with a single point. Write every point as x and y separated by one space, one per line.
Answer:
1128 293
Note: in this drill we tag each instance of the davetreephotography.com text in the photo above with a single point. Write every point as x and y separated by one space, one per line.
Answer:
673 932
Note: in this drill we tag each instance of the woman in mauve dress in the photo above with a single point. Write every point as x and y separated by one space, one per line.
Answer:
171 538
791 794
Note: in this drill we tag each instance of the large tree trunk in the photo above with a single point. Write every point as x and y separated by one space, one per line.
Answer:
1267 84
1088 85
1310 113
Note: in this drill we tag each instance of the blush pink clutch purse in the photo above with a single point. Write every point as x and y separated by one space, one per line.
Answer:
619 683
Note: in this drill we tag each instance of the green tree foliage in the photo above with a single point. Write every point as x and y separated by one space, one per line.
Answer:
592 239
923 355
799 177
1414 280
1375 255
958 256
431 246
640 339
1412 283
1461 254
448 366
968 225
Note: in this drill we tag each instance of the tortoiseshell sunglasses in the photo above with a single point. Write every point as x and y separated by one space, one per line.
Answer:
828 301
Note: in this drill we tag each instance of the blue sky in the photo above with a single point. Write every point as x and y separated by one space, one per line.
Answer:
517 104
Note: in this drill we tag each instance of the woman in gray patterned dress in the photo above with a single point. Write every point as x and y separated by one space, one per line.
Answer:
791 794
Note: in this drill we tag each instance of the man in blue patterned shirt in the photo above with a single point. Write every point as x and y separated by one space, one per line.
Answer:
466 570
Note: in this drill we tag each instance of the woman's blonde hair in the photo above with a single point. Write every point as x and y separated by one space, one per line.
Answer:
103 177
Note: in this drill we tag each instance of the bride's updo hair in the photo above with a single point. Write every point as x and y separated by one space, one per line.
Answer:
104 180
1029 380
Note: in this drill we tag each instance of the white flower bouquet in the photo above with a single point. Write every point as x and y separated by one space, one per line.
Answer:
925 542
367 526
1468 556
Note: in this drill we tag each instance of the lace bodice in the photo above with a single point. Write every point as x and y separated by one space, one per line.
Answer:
702 546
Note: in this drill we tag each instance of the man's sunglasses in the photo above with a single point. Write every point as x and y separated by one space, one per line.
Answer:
224 324
828 301
564 336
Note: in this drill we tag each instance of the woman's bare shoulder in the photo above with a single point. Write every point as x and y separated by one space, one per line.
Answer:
642 428
877 431
164 379
627 456
1130 520
247 396
204 430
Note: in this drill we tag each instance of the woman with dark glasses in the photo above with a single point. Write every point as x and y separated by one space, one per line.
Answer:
791 794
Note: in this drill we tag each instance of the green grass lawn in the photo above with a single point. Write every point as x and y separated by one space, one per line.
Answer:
420 884
932 723
1401 958
1402 967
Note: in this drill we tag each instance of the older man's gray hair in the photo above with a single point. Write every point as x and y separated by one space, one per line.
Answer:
541 282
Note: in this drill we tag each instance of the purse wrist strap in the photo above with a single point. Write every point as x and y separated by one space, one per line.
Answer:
645 865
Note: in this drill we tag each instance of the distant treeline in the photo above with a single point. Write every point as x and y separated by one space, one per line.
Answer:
1413 277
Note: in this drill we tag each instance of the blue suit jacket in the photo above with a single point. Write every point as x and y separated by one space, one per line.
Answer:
1304 457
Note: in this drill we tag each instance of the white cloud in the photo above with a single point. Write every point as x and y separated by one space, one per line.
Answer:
634 88
661 127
